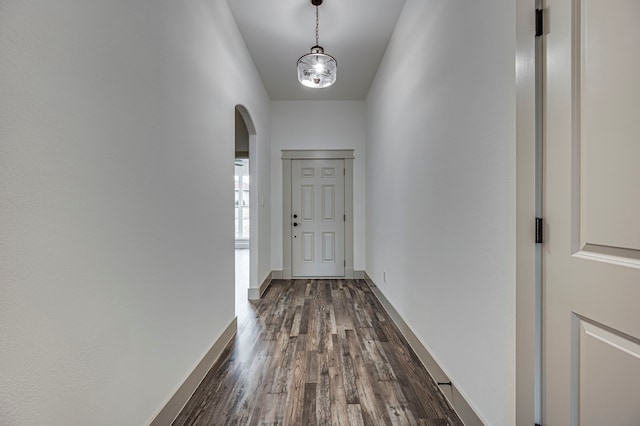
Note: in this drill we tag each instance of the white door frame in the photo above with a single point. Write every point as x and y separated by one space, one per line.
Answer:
254 286
525 68
325 154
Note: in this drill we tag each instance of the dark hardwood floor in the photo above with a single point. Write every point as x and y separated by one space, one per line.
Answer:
317 352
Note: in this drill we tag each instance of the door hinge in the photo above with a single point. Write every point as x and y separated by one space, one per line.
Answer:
344 217
539 22
345 263
344 172
539 230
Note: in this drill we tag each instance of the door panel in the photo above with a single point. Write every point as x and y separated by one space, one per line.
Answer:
609 117
608 395
591 255
307 204
328 203
317 237
308 245
329 247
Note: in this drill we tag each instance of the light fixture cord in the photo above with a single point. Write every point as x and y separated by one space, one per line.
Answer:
317 31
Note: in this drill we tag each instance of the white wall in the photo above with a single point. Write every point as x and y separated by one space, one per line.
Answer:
318 125
264 202
116 165
441 190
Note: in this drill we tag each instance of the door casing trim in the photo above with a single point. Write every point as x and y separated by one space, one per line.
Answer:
323 154
525 278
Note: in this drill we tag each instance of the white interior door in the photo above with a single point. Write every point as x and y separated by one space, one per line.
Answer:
317 218
591 272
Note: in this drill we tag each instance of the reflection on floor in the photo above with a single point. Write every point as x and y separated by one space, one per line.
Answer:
242 279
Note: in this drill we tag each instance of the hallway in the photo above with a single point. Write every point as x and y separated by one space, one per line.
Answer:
317 352
117 156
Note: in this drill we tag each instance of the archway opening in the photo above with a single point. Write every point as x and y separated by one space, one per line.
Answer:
245 212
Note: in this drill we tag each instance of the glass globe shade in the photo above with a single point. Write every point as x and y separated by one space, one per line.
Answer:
317 69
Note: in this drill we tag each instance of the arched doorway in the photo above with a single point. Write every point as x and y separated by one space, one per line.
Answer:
245 209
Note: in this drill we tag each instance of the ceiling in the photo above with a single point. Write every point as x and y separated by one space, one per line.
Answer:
278 32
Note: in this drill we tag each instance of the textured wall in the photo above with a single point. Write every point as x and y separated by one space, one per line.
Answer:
116 177
441 190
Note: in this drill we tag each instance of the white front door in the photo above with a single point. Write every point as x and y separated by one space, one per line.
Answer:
591 272
317 218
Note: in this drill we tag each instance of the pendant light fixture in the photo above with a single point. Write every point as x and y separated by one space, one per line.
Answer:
317 69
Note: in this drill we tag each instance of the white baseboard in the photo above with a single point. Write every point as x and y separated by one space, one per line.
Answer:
349 273
176 403
256 293
285 274
451 392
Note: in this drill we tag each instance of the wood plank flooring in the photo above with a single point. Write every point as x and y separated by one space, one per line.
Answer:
317 352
